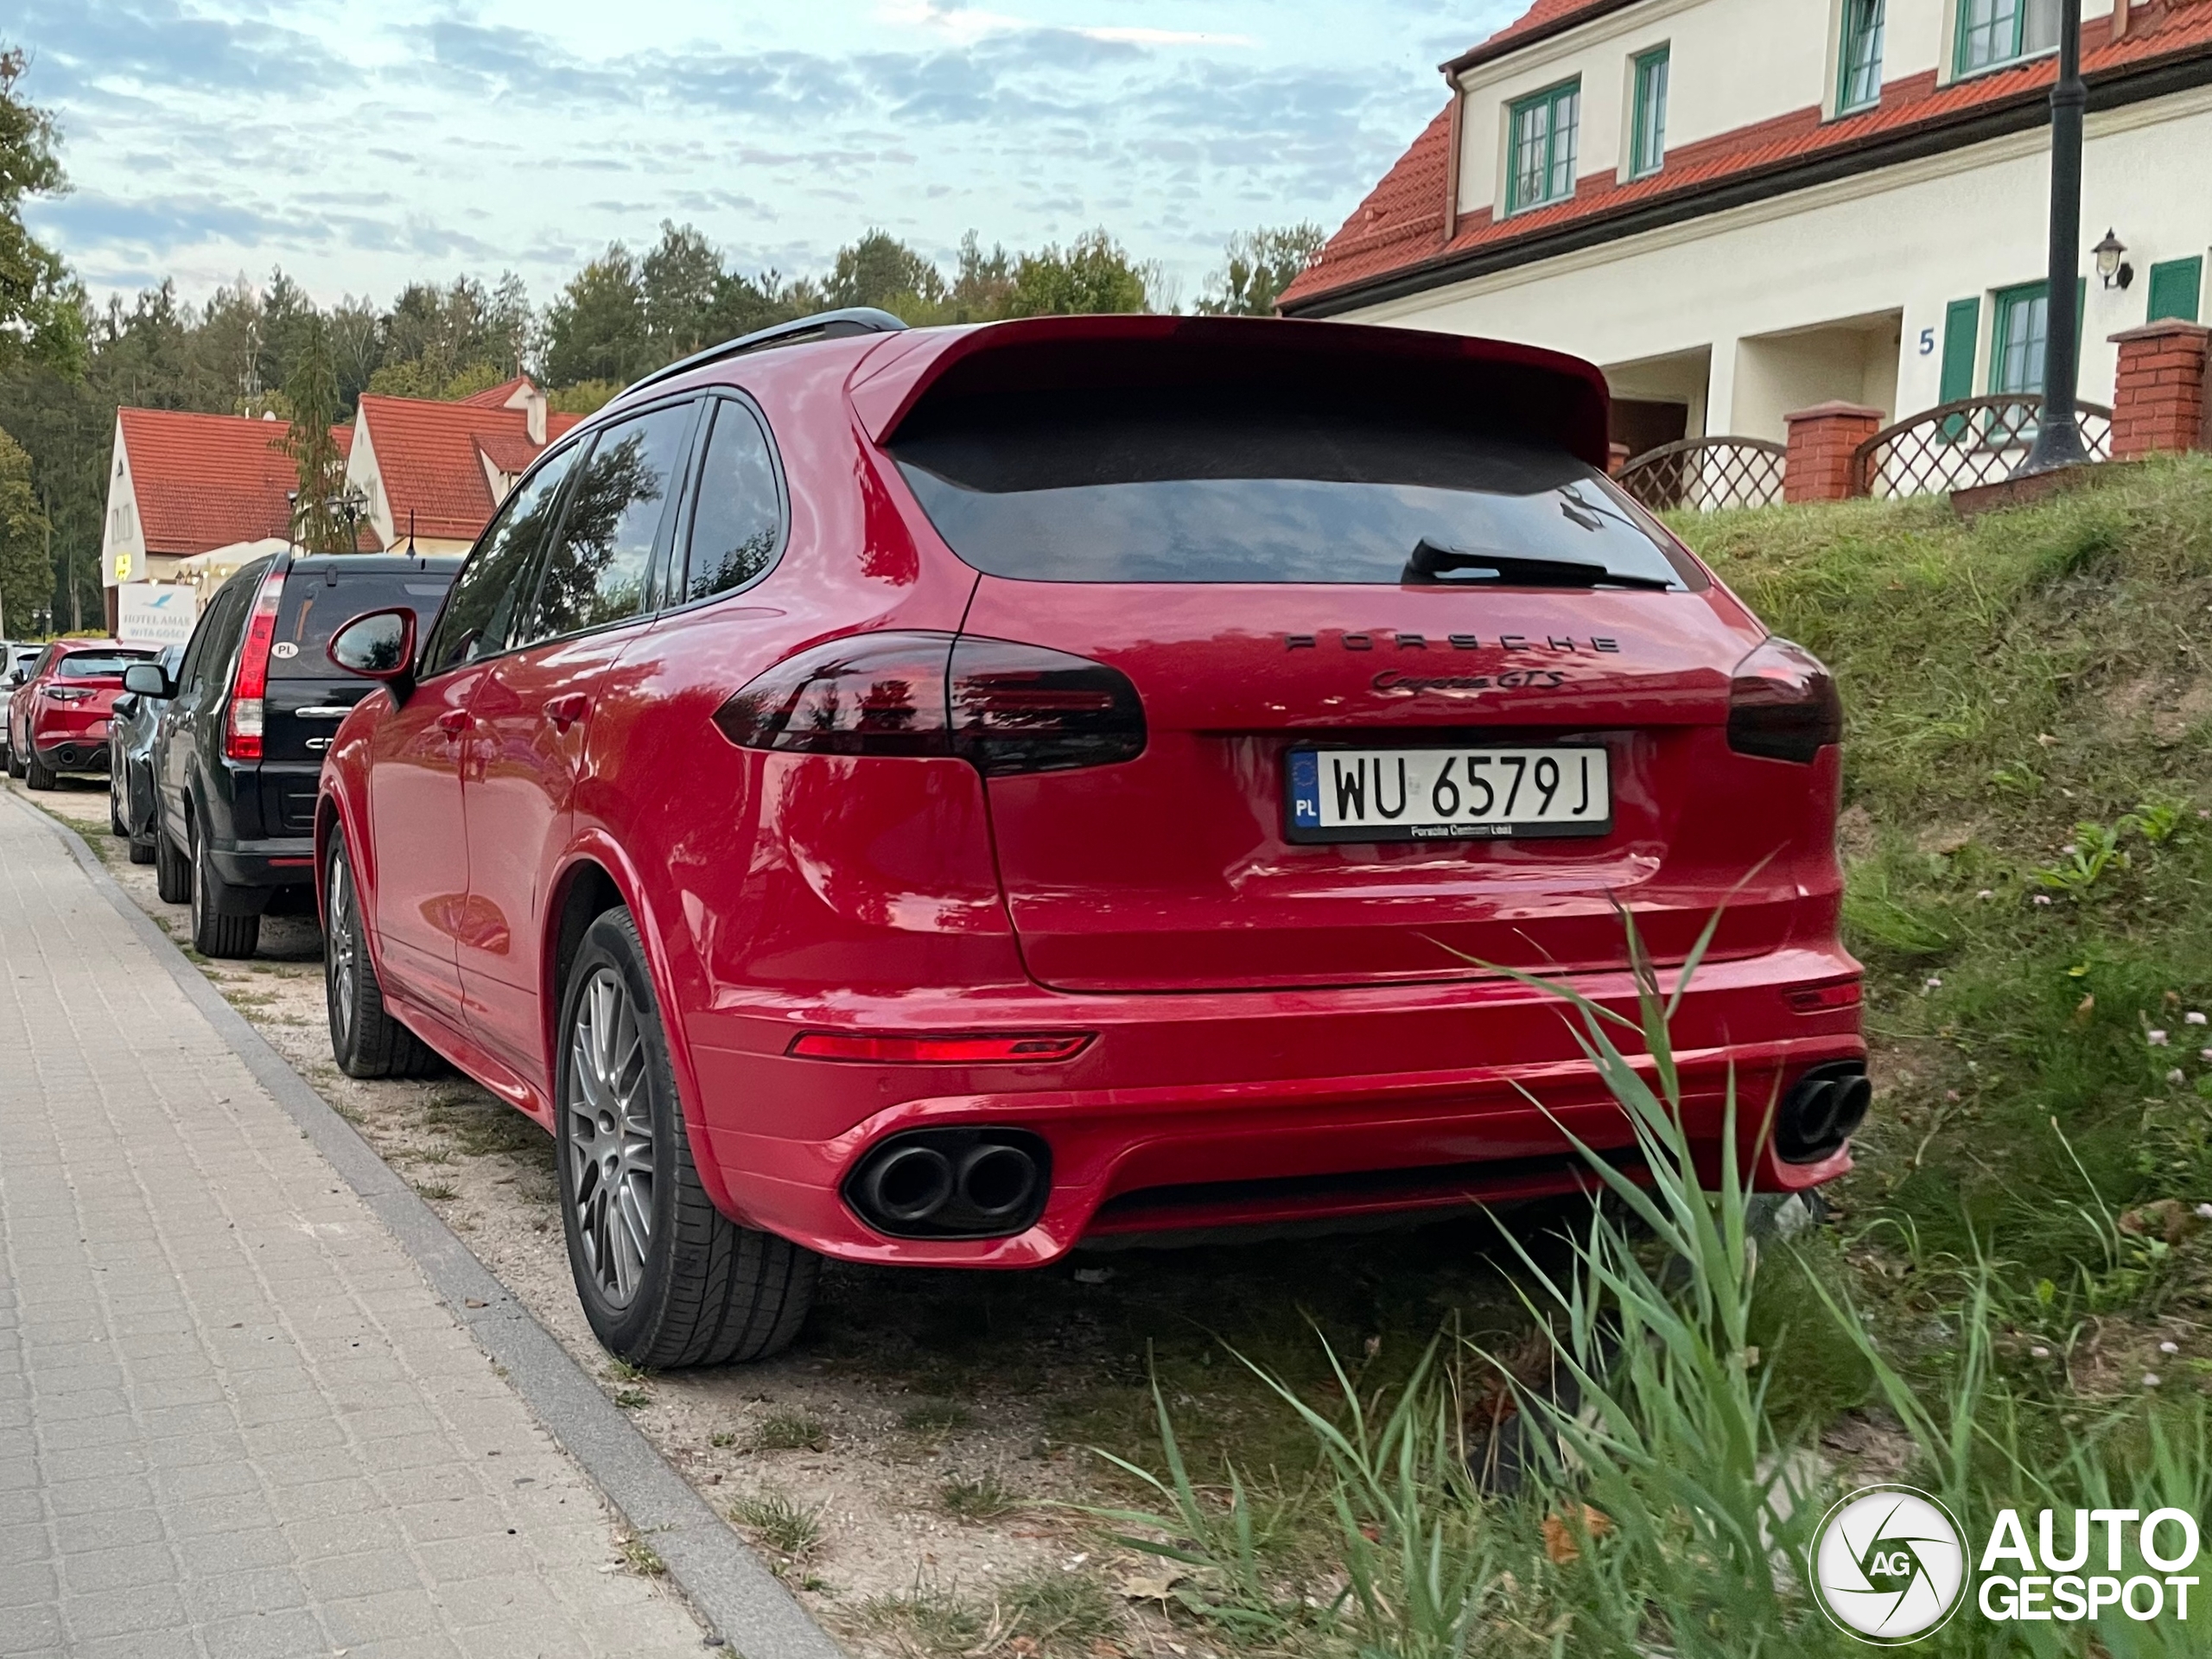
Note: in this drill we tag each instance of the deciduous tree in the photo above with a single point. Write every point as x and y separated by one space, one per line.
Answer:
1256 266
1093 274
26 567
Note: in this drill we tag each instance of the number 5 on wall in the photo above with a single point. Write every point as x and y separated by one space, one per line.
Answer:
1928 342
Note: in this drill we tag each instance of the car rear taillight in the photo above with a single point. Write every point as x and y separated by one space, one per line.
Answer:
1005 708
69 693
242 726
1782 704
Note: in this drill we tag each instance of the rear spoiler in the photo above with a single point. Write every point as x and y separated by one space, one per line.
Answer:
1523 392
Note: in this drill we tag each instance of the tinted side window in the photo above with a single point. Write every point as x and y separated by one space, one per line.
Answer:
209 653
481 608
596 574
739 519
316 609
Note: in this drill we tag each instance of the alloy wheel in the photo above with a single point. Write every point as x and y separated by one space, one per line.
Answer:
344 944
608 1137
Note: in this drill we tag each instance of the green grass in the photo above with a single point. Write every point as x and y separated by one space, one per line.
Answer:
1060 1615
787 1429
984 1498
780 1522
935 1419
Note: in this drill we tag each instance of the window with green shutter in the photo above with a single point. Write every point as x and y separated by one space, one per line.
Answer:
1858 77
1648 151
1545 129
2175 289
1992 32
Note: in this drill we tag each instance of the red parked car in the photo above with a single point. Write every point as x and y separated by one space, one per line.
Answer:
58 717
940 796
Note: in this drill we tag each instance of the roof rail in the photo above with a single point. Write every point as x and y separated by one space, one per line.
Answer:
823 325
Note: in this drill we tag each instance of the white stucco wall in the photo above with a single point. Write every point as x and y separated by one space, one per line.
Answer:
121 535
362 474
1905 241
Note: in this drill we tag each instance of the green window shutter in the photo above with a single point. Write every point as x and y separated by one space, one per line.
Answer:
2175 289
2080 313
1961 335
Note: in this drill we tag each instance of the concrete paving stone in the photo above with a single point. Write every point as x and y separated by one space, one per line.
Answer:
122 1568
481 1555
189 1484
19 1508
142 1644
288 1634
107 1529
371 1572
265 1590
341 1535
543 1638
23 1629
408 1647
203 1517
317 1499
192 1450
112 1612
25 1583
234 1552
106 1493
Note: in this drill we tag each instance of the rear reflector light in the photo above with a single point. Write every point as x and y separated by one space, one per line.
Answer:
1819 999
1024 1049
242 728
1782 704
1003 707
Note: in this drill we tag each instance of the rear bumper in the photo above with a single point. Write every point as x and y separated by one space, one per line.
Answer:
61 752
284 862
1206 1111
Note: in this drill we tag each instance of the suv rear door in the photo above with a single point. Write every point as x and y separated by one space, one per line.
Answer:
1252 567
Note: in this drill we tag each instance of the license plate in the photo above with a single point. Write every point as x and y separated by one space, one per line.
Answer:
1464 794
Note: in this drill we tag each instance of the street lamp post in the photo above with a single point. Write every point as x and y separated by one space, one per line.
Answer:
2058 428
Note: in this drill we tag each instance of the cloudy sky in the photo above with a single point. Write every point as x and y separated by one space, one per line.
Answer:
361 142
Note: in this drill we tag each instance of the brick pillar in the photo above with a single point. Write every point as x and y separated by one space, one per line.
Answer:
2159 402
1822 440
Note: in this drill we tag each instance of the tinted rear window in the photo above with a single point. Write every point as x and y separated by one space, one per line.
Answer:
98 664
1114 487
313 608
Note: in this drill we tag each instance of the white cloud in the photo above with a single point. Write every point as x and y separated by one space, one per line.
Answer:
967 24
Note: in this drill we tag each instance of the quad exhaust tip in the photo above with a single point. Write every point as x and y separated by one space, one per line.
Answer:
953 1183
1822 1111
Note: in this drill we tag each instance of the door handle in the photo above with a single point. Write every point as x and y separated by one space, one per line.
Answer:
565 712
453 721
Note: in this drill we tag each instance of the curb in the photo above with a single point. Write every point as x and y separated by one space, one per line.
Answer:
726 1585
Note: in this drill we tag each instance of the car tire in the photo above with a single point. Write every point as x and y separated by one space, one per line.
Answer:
37 773
172 875
364 1039
141 852
697 1289
214 934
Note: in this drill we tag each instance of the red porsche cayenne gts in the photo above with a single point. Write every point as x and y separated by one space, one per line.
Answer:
939 796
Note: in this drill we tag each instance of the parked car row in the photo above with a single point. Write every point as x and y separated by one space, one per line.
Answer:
939 797
58 706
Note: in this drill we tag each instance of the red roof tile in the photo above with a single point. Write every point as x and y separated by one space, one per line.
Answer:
494 397
204 482
1400 228
427 454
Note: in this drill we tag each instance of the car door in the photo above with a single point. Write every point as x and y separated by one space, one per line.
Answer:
201 679
529 716
419 862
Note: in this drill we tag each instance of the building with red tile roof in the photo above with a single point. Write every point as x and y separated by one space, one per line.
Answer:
1742 207
434 473
180 484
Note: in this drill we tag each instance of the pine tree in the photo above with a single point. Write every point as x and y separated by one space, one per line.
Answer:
322 518
26 568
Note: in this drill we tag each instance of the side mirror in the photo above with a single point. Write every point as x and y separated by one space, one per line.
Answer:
147 680
125 705
378 645
19 676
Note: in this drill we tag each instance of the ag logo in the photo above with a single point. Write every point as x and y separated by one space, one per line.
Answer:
1890 1565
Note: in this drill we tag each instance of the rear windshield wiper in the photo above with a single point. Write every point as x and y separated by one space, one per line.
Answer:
1433 566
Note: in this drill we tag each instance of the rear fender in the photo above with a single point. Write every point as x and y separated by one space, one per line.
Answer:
596 846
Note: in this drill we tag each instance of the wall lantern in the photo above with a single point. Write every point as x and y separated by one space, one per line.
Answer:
2110 266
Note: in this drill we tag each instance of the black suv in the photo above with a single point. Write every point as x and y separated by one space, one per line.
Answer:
240 744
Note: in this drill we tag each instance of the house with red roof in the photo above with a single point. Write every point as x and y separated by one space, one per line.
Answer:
433 474
1741 209
182 484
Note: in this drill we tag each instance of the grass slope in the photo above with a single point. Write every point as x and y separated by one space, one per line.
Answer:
2029 706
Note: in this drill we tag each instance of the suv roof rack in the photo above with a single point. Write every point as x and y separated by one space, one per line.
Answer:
823 325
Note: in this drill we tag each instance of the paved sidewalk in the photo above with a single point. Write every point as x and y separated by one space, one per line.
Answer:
235 1419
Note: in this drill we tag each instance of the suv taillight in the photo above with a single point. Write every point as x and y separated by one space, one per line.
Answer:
1005 708
1782 704
242 726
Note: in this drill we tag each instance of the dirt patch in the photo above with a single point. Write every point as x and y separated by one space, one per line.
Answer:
917 1464
1855 836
